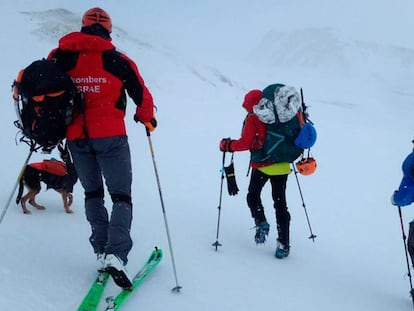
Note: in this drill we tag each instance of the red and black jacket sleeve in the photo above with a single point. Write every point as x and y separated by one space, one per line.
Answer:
252 135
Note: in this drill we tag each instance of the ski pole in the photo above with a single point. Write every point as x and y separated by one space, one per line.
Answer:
406 254
3 212
312 236
217 243
177 287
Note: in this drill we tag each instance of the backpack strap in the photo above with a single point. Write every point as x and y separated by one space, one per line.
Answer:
302 121
17 89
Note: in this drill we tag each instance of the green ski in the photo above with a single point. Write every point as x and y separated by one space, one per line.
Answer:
115 303
93 297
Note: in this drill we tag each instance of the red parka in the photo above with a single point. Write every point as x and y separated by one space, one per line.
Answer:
102 74
254 131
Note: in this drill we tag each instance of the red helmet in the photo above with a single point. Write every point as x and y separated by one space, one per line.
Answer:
97 16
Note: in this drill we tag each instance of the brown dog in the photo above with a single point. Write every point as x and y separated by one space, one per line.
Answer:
55 174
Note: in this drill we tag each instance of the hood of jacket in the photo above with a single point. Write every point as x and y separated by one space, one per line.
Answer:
251 99
80 41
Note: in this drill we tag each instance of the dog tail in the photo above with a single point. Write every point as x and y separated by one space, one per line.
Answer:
21 188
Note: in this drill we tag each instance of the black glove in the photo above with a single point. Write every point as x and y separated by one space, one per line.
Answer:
231 180
150 125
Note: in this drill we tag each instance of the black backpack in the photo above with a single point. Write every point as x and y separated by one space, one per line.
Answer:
45 100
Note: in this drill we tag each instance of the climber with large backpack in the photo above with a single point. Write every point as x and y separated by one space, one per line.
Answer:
272 132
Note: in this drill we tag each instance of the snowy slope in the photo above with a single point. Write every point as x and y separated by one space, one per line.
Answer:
355 62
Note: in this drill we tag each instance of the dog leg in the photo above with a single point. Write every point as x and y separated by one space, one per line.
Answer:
32 201
23 201
67 199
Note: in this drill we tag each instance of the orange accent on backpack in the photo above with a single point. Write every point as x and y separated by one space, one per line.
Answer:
40 98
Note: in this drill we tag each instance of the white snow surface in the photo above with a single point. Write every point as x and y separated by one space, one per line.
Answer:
355 63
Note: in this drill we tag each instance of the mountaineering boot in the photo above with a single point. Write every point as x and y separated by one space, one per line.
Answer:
282 251
116 268
100 259
283 234
262 230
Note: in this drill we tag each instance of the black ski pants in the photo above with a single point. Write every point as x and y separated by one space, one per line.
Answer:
278 183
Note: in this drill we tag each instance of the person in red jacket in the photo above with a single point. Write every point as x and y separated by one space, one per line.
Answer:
97 136
252 138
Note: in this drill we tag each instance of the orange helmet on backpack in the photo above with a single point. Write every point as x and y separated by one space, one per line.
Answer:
97 16
306 166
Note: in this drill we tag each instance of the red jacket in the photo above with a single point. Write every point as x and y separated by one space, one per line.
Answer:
103 75
254 131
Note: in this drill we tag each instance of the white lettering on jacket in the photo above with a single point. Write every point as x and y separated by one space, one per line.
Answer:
89 84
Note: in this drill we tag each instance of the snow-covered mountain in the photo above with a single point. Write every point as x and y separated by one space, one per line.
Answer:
355 63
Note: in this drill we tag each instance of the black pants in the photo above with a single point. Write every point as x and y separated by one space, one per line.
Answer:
278 183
